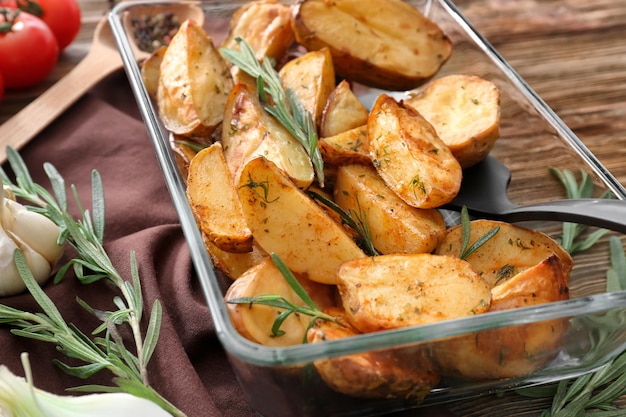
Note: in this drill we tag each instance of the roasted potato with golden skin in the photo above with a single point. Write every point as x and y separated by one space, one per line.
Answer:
343 111
312 78
249 131
510 251
266 27
512 351
285 221
349 147
151 71
386 44
183 152
254 321
410 157
194 83
465 112
392 291
233 264
399 373
394 226
215 203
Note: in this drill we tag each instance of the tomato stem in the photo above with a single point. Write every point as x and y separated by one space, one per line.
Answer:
10 15
30 6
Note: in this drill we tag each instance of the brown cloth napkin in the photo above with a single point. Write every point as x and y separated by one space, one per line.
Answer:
103 131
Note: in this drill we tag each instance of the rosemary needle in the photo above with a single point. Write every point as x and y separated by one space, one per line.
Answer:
284 104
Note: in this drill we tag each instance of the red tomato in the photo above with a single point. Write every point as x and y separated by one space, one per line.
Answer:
62 16
28 50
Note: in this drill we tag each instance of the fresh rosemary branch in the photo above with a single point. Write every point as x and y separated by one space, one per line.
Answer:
467 250
597 391
287 306
569 239
357 220
284 104
92 264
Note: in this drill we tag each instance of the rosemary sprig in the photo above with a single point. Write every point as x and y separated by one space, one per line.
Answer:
284 104
598 390
357 220
467 250
569 239
92 264
289 308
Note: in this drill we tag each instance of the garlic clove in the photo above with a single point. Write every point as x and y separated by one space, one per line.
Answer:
37 263
11 282
34 229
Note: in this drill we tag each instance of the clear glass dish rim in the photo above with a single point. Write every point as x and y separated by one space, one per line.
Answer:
283 356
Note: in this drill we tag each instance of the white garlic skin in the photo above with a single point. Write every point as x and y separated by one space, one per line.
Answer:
35 235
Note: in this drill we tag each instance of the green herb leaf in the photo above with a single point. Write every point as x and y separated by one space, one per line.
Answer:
284 104
357 220
466 235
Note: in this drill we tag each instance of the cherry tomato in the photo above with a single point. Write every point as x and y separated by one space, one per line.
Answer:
62 16
28 49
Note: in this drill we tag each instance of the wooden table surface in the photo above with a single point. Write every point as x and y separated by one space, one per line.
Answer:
571 52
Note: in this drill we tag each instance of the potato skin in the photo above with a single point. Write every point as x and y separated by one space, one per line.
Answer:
366 48
249 131
349 147
465 112
392 291
343 111
410 157
394 373
254 321
214 201
395 227
312 78
512 351
285 221
194 83
508 252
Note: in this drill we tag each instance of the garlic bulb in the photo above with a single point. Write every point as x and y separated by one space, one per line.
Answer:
19 398
34 234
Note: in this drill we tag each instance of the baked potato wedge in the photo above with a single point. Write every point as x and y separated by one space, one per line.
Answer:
194 83
312 78
392 291
255 321
151 71
266 27
285 221
233 264
215 203
394 226
386 44
184 151
509 252
400 373
349 147
410 157
465 112
512 351
249 131
343 111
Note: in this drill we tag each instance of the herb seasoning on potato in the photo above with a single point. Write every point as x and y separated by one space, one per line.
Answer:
365 248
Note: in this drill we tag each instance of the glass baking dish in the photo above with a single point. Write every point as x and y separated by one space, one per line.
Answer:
282 382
